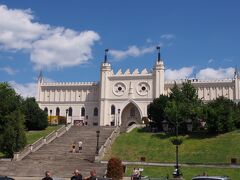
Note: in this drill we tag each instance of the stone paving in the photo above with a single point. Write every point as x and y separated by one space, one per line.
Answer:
57 158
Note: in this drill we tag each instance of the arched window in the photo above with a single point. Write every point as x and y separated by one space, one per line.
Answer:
112 109
132 112
82 111
95 112
70 111
46 110
57 111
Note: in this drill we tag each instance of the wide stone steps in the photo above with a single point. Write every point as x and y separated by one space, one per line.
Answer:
58 158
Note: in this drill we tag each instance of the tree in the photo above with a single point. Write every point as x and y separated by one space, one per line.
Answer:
184 105
181 105
156 110
12 135
35 118
220 115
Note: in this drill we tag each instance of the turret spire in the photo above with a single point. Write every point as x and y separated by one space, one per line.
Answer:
105 57
159 55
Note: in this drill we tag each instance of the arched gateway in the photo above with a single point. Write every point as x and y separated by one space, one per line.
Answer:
130 115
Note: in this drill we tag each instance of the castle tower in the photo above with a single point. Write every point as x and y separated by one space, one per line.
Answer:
39 82
158 76
104 89
237 83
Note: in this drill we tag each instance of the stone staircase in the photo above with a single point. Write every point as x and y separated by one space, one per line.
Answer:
58 158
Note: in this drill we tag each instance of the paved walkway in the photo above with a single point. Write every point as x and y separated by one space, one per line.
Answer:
183 164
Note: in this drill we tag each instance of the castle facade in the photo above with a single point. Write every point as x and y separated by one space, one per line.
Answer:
121 98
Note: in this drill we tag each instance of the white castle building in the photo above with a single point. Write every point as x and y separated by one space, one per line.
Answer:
121 98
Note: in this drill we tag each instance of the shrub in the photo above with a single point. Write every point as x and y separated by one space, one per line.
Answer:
115 169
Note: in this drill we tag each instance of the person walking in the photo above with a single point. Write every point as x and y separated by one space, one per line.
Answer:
47 176
80 146
77 175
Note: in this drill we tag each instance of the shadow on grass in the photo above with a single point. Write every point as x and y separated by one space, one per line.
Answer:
193 135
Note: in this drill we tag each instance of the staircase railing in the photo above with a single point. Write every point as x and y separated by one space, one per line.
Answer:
107 145
18 156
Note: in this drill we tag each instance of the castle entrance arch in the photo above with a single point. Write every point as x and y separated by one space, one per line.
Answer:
130 115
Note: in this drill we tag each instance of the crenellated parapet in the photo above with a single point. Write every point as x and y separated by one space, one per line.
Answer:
129 73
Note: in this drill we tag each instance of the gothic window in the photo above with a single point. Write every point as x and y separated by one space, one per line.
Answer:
82 111
132 112
95 112
46 110
70 111
112 109
57 111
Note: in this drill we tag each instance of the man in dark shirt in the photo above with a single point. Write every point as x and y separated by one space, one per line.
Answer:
77 175
47 176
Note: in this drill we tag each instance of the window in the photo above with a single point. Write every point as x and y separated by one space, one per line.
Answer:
82 111
112 109
70 111
95 112
46 110
132 112
57 111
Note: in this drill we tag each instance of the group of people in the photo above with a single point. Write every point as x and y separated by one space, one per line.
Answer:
77 175
80 144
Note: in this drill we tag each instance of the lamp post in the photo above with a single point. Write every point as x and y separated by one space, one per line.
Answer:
50 116
177 142
118 117
66 115
97 147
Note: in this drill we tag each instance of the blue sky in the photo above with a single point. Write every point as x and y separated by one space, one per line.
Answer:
66 39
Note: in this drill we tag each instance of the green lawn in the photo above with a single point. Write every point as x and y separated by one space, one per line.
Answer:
33 136
156 147
188 172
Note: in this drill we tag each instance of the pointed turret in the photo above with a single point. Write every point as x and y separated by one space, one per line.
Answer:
40 77
158 75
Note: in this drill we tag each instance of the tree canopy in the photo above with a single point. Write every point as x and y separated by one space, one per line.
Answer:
16 115
182 105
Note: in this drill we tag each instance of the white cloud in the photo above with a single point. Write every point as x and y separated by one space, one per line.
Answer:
9 70
17 31
168 36
183 73
63 48
210 60
49 47
25 90
210 73
132 51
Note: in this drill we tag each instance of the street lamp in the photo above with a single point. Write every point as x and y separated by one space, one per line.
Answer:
66 115
118 116
97 148
50 116
177 142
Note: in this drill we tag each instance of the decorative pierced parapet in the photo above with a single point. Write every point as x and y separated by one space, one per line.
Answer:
107 145
69 83
18 156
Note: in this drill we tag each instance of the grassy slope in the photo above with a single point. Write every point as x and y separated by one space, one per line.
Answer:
195 149
33 136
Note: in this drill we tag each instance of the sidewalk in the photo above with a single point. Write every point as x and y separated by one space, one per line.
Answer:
183 164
